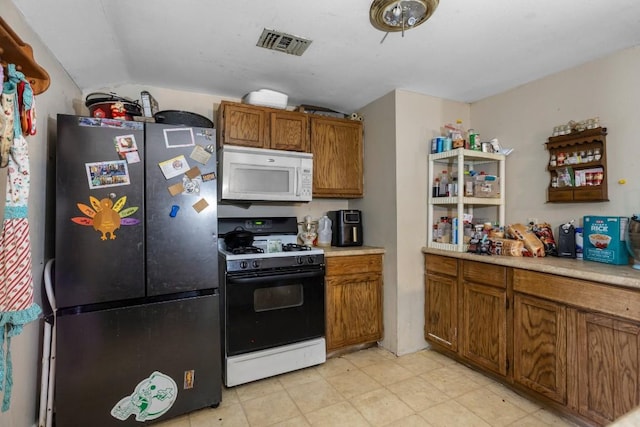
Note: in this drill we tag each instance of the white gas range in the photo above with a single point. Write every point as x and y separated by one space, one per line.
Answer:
272 293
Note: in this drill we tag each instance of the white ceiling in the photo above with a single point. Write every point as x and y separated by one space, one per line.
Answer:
468 49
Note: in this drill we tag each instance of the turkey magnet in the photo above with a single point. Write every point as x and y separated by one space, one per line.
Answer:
105 216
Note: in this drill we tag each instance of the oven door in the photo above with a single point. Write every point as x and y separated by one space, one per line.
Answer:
265 310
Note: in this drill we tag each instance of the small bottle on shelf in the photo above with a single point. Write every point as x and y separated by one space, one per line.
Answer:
444 184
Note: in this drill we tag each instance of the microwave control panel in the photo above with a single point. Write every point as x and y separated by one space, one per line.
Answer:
306 186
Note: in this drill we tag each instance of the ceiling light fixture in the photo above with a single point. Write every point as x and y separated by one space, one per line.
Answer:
400 15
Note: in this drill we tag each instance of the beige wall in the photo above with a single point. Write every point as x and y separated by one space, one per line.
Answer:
523 118
58 98
398 130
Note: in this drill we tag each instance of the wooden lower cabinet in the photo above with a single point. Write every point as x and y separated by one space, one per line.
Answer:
353 300
539 346
441 302
483 330
608 356
574 344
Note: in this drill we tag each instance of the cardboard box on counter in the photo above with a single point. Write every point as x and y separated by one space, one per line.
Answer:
605 239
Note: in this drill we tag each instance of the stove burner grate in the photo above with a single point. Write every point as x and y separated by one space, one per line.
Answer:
293 247
247 250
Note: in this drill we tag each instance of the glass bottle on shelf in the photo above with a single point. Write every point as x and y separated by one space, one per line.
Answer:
596 154
589 156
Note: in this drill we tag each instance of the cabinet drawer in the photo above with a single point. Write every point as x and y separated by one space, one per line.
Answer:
441 264
560 195
353 264
617 301
487 274
589 194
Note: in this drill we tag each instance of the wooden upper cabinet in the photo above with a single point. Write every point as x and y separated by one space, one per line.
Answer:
338 156
289 131
262 127
241 124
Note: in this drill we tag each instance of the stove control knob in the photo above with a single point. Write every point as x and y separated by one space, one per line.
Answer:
255 263
299 260
243 264
310 260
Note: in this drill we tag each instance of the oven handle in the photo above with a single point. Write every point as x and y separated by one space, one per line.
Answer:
265 277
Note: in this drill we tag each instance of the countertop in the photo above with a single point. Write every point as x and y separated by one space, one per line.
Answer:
331 251
619 275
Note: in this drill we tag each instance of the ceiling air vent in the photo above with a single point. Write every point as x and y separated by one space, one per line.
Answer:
283 42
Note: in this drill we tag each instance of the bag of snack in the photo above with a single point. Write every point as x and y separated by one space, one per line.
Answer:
545 234
531 242
507 247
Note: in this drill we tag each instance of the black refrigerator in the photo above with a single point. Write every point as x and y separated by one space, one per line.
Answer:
136 307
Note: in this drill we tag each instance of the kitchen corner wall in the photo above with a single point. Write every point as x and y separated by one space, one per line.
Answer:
59 98
398 130
399 126
523 119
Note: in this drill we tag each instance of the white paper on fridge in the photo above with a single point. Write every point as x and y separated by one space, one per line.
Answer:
174 167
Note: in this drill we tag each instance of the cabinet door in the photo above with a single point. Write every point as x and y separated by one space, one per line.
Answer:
242 125
337 148
608 366
289 131
441 302
484 327
540 347
353 309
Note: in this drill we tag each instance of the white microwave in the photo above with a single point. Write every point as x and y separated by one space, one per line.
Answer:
259 174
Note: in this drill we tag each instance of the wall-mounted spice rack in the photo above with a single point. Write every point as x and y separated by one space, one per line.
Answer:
578 167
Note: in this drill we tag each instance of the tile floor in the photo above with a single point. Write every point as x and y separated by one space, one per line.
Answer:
373 387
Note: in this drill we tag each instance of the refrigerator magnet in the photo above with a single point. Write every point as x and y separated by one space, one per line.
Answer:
180 137
132 157
210 176
105 216
175 189
174 167
125 143
193 173
200 205
191 187
107 174
200 154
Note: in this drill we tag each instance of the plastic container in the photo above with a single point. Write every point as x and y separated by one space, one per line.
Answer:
324 231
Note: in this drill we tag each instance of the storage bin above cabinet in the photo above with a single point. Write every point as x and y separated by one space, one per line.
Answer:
578 167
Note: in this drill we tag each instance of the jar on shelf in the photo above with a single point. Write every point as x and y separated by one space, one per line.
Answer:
554 182
582 157
597 177
552 161
561 157
596 154
589 156
573 158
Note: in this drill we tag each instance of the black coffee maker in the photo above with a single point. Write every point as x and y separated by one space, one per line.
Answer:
347 227
567 240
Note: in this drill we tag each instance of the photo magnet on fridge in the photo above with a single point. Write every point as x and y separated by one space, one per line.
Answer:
174 167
